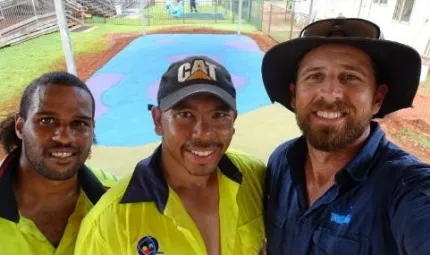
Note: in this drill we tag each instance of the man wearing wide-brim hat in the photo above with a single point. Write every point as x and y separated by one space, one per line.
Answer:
342 187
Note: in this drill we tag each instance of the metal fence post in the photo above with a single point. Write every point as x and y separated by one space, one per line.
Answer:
216 10
231 11
183 14
270 17
292 19
249 11
65 36
262 14
311 7
142 6
35 11
239 22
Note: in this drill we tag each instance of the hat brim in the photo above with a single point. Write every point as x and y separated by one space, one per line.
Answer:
187 91
399 68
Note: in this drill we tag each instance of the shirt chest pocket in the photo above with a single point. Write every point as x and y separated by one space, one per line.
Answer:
250 237
328 242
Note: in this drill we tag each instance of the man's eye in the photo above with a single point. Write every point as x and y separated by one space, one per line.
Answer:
80 124
185 114
350 77
316 76
218 115
46 121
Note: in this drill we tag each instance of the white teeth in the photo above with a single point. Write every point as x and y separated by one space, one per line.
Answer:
202 153
61 154
329 115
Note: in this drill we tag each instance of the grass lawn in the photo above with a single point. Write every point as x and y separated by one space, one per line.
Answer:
282 36
21 63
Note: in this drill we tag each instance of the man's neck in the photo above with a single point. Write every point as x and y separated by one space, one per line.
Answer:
32 186
324 165
47 203
200 197
180 178
38 188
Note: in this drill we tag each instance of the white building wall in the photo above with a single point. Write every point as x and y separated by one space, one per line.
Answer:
415 33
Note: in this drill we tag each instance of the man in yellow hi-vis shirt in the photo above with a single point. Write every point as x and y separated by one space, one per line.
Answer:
45 188
191 196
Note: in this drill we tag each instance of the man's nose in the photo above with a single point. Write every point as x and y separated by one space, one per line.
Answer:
63 134
332 89
204 129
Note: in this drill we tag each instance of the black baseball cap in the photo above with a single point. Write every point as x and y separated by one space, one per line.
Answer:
194 75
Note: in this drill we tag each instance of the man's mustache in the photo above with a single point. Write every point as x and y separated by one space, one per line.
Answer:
337 106
203 144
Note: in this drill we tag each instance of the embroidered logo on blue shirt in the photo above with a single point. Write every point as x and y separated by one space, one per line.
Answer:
340 219
341 215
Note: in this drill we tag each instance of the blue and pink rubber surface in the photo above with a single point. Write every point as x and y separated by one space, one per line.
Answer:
125 85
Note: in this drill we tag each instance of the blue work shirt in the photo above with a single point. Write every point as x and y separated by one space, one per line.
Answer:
379 204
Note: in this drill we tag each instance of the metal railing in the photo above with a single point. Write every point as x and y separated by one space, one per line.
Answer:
15 11
26 19
103 8
75 11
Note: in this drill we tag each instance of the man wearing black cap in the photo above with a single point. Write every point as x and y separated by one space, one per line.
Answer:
190 196
342 187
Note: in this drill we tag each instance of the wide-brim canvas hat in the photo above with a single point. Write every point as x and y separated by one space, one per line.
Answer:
399 66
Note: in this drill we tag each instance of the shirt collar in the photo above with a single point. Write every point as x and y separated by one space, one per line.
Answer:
358 168
147 183
92 187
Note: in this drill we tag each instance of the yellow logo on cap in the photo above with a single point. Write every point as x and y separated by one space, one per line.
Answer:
198 69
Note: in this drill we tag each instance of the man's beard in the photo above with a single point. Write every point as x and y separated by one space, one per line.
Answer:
37 162
333 137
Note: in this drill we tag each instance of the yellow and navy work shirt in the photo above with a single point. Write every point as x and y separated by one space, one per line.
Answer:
142 215
20 235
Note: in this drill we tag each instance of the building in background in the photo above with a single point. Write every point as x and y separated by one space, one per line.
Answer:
405 21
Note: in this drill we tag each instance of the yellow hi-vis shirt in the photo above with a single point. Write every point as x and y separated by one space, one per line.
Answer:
20 235
142 215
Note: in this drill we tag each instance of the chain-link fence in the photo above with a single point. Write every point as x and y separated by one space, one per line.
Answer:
22 20
15 11
176 12
280 22
19 18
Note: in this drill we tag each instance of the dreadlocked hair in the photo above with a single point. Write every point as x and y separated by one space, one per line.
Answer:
8 138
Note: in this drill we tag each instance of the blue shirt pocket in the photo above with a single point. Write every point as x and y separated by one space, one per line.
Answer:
276 238
328 242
